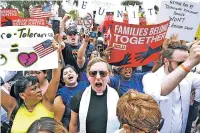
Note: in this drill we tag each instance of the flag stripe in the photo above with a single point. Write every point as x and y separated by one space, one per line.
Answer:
42 51
36 12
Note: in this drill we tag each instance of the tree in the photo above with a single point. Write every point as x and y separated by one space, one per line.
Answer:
131 2
23 6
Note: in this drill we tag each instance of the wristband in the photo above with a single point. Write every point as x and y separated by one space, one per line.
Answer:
186 69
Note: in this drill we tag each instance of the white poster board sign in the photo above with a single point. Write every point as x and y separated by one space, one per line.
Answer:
184 18
133 14
27 48
150 11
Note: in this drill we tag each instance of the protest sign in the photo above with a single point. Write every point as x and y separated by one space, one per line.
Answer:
87 23
198 33
7 15
136 45
184 18
108 21
101 7
27 48
150 15
133 14
29 21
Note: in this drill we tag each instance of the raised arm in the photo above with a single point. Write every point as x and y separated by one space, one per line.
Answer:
175 77
63 21
50 94
7 102
73 126
81 57
59 109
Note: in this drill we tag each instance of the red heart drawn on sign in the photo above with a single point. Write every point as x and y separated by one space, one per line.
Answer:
27 59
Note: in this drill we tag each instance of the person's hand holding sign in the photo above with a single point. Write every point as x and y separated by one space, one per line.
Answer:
143 55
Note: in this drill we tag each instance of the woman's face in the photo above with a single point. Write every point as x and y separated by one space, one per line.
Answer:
98 76
69 76
32 94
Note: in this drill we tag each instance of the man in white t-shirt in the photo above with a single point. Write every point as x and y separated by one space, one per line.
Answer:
171 85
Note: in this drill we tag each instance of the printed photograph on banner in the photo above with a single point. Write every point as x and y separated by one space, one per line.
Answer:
7 15
136 45
183 18
26 48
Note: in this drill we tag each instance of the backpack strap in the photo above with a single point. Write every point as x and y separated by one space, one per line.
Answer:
12 117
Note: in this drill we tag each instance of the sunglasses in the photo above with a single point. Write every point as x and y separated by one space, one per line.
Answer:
153 130
101 73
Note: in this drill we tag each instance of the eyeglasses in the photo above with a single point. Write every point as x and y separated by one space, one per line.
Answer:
154 129
101 73
178 62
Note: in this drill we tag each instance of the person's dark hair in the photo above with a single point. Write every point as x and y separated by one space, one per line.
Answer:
21 85
46 124
167 52
61 75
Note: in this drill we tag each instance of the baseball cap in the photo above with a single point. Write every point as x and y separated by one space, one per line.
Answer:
71 30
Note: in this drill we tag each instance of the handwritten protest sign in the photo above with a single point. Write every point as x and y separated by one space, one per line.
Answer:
101 7
27 48
133 14
150 11
184 18
136 45
7 15
198 32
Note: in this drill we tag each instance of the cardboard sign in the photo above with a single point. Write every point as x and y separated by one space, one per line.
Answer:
7 15
198 32
136 45
184 18
27 48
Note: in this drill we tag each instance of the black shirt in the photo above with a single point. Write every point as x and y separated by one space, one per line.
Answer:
96 121
70 55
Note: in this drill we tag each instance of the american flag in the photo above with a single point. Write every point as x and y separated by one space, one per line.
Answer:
41 12
44 48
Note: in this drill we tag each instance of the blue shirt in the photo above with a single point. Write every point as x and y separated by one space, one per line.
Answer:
135 82
66 94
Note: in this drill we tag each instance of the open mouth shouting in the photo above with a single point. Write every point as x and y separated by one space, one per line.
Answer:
98 86
70 78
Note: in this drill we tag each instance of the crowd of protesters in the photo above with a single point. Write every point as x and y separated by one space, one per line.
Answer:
86 94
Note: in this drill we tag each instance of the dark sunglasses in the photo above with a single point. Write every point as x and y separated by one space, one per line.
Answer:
153 130
101 73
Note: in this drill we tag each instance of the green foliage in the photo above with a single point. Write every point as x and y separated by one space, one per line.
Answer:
21 14
23 6
74 14
131 2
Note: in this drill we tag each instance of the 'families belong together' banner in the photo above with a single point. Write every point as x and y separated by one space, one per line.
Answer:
136 45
